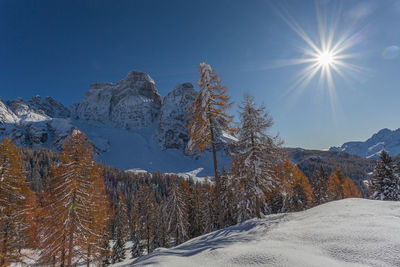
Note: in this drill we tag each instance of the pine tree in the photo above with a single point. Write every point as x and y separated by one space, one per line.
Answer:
257 154
384 182
13 194
194 210
209 211
136 250
176 207
208 117
75 209
106 251
227 199
121 230
146 211
319 182
162 235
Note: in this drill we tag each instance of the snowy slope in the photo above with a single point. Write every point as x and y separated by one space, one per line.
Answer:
139 149
350 232
385 139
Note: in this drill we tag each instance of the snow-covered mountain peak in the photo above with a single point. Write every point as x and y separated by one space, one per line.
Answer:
130 103
384 139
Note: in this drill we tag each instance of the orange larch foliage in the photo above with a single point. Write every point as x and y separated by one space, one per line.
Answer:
340 187
76 209
14 191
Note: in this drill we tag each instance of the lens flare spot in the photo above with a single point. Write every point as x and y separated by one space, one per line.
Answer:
391 52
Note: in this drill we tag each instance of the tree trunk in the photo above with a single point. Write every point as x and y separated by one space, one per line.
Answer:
4 247
88 257
214 151
71 234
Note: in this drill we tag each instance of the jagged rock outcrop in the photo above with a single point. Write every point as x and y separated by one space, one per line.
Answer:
130 103
172 129
384 139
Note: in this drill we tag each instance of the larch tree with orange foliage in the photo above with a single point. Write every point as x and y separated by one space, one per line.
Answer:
340 187
208 114
76 210
14 191
293 192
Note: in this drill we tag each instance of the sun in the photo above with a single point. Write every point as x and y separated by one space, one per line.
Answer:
326 54
326 58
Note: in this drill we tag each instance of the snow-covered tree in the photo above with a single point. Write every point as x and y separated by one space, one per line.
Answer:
384 181
256 156
209 212
13 194
319 183
177 210
121 230
146 211
75 213
208 114
162 235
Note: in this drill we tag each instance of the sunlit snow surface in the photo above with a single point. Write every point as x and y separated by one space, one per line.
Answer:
351 232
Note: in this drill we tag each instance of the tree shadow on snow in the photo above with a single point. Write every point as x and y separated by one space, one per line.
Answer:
215 240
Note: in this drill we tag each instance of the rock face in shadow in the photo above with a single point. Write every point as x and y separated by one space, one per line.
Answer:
174 116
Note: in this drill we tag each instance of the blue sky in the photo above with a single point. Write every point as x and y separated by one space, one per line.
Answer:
57 48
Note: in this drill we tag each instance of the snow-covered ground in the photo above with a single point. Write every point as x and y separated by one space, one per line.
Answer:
350 232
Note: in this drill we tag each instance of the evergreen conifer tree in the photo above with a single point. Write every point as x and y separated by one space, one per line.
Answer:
319 182
384 182
121 229
178 222
257 154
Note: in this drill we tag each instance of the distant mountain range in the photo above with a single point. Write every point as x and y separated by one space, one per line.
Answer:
384 139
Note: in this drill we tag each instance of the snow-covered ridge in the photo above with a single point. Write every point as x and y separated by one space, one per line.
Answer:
35 123
385 139
349 232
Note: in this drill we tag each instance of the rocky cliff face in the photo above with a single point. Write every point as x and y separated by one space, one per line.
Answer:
174 116
130 103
